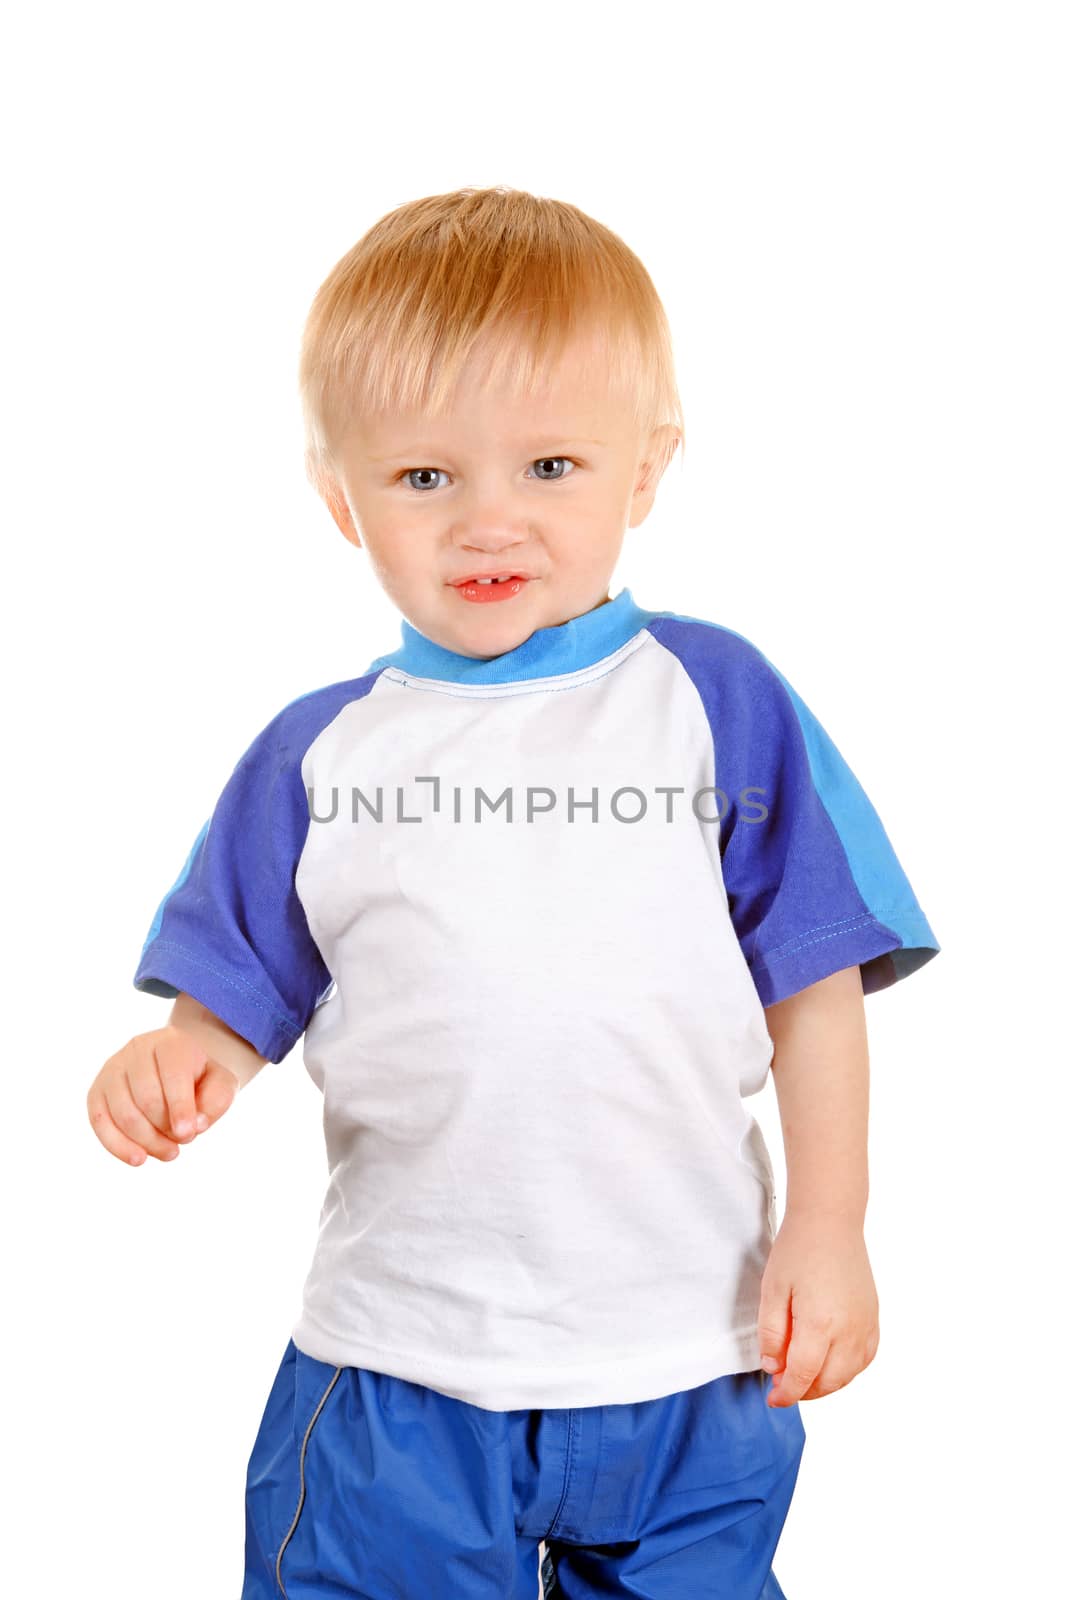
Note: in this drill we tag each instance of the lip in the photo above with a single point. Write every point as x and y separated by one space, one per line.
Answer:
499 572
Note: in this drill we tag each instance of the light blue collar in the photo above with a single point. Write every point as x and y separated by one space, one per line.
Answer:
547 652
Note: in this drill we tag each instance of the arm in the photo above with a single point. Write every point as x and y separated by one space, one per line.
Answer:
818 1314
821 1078
213 1036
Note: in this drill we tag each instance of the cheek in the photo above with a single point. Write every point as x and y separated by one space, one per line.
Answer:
393 548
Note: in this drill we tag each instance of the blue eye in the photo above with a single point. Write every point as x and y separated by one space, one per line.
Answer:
414 472
411 472
553 460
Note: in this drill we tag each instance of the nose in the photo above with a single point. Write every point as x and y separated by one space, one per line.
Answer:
492 546
493 535
490 521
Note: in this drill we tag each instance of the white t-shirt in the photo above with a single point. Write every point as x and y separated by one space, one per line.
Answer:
526 913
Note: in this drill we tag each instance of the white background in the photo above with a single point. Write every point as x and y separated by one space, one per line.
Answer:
854 217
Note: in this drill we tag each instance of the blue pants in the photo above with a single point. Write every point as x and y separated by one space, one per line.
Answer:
363 1486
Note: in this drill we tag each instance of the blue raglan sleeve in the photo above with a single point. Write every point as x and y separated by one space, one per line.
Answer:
813 883
231 930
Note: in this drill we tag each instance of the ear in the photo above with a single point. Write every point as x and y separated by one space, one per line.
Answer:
338 507
655 459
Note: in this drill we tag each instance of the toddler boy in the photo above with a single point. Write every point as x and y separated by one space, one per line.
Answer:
546 891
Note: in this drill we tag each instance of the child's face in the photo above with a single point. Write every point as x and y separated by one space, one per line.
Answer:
547 489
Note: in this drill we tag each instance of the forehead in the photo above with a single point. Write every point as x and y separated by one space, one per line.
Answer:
573 401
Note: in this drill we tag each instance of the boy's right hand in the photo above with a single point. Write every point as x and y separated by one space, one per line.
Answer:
154 1087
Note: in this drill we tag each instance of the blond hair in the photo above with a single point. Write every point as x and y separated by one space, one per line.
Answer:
500 270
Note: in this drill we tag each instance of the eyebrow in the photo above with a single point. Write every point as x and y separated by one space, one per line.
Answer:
533 444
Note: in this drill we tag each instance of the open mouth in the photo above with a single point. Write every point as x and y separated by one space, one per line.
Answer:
497 586
489 577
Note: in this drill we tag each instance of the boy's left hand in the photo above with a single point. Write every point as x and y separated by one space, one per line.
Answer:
818 1316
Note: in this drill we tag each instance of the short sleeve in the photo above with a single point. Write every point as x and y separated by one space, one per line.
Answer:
231 930
812 881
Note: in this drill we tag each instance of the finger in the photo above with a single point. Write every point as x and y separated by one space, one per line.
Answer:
146 1090
834 1376
129 1117
132 1129
215 1094
773 1327
111 1137
842 1364
807 1352
179 1062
